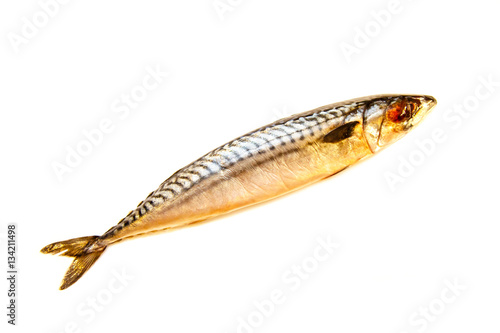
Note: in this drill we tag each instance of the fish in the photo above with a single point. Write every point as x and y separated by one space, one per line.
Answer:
266 163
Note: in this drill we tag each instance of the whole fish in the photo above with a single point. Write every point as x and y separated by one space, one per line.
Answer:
263 164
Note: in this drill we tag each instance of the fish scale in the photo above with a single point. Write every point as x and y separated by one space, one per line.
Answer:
263 140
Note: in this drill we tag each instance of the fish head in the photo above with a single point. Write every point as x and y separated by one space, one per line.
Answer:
388 119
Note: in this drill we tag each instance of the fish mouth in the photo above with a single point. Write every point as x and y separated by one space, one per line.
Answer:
429 101
426 104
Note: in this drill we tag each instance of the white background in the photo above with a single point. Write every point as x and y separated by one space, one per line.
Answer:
230 72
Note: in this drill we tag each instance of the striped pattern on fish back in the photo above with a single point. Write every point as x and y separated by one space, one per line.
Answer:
261 141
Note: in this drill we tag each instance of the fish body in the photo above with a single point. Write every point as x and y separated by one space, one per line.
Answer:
258 166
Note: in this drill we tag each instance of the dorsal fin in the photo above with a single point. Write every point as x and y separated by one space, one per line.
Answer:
341 132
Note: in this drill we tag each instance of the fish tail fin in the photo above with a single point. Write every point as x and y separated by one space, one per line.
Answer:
82 250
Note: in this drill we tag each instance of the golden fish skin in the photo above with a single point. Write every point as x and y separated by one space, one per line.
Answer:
258 166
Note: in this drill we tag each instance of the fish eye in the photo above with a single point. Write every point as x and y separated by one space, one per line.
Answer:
400 111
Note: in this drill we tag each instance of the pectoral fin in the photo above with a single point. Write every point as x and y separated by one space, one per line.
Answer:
341 133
